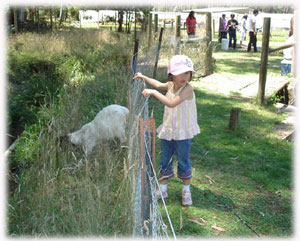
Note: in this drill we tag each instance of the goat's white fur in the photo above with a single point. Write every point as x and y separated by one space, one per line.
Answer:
108 124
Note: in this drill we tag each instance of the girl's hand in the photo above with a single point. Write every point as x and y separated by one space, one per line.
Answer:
147 92
138 76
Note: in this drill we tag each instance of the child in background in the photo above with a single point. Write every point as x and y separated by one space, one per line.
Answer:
179 123
243 29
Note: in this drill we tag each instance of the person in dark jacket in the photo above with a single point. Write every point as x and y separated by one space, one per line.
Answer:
231 26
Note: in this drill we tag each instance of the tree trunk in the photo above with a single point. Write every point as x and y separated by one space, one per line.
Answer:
55 18
61 15
126 21
120 20
15 20
38 18
66 15
51 18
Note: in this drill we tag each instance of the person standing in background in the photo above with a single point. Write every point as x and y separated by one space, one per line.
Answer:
191 24
252 31
243 29
223 27
231 26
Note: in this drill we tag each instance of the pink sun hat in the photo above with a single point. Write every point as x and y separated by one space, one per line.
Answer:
180 64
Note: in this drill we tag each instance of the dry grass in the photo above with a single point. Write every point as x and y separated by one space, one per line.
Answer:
60 42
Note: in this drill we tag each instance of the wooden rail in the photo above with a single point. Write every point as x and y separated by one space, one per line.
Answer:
284 46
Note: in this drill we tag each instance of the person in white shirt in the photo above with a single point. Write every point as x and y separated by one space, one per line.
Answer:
252 31
243 29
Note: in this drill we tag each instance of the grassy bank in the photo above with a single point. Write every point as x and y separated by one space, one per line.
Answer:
56 189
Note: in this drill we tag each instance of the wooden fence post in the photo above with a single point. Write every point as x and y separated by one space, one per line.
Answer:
147 138
149 32
264 61
157 53
208 68
235 117
220 24
155 24
177 35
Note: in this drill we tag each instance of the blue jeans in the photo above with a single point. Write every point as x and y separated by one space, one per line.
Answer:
182 150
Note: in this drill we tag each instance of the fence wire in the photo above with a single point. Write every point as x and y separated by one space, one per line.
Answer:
147 218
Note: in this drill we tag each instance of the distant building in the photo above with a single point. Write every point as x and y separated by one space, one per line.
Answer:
96 16
93 16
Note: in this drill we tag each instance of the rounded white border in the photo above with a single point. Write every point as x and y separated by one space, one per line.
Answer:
3 4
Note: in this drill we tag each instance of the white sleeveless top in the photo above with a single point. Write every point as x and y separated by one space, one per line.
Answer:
180 122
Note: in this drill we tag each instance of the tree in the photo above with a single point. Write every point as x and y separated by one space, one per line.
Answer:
120 20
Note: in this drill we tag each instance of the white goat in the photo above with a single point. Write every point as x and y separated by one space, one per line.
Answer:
109 123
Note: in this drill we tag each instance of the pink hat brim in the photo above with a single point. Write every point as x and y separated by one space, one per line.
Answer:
181 71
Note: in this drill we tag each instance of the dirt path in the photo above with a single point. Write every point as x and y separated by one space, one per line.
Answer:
241 85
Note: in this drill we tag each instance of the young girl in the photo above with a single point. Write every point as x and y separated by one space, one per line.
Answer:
179 123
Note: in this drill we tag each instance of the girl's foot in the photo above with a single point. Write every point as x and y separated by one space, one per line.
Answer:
186 198
164 194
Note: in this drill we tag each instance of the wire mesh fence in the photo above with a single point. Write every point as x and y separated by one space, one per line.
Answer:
147 218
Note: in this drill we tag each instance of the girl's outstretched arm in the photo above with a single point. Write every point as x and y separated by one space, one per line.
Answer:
171 103
153 82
